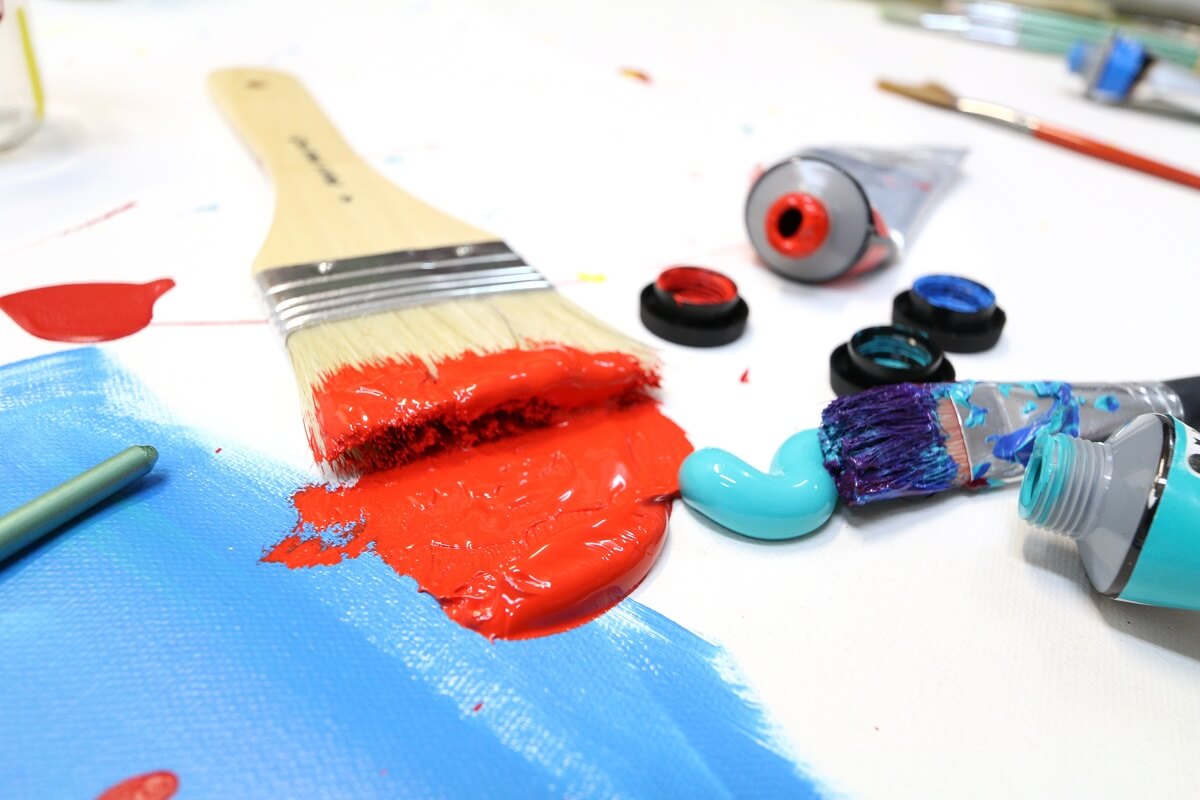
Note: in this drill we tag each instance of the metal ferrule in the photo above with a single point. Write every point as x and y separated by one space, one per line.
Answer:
1000 421
997 113
304 295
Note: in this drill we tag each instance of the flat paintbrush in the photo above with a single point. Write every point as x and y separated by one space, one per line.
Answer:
937 95
408 329
917 439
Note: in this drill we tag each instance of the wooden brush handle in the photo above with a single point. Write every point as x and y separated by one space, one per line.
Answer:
1107 152
329 203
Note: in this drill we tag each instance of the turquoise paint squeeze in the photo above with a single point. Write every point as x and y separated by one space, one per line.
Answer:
1131 503
796 496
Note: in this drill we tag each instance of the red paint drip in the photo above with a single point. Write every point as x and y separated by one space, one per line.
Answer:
745 377
159 785
379 415
696 286
85 312
516 538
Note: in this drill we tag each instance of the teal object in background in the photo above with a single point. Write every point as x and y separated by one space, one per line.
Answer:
1131 503
795 497
1167 572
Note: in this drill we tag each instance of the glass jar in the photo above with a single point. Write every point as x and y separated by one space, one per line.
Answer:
22 104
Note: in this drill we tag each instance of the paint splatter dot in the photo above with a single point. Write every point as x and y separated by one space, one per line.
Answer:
159 785
85 312
1029 408
636 74
217 450
591 277
745 377
477 707
1107 402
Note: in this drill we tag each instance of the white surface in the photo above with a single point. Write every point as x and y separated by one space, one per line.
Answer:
936 648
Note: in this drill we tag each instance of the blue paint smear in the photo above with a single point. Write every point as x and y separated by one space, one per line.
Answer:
149 636
1029 408
1061 417
1107 402
981 471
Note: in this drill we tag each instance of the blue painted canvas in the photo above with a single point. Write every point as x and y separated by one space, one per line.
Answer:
149 636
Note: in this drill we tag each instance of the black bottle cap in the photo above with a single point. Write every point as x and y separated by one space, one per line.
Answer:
694 306
887 354
959 314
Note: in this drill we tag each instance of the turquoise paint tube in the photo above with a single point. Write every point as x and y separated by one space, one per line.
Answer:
1131 503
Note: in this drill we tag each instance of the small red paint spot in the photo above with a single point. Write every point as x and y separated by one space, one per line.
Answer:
85 312
745 377
637 74
150 786
217 450
477 707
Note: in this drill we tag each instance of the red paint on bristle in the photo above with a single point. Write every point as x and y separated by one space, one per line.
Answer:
521 537
380 415
697 286
159 785
85 312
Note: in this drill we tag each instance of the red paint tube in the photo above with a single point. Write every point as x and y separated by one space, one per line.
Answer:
830 213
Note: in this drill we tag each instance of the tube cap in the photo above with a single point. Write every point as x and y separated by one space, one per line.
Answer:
958 314
694 306
887 354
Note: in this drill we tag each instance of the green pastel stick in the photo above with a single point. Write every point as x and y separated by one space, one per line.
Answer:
26 524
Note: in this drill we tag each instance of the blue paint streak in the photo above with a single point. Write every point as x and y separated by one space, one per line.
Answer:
981 470
1029 408
1061 417
149 636
1107 402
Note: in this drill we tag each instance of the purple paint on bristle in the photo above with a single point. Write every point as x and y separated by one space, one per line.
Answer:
886 442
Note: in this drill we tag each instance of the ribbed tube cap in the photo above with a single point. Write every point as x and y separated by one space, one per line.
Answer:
1064 483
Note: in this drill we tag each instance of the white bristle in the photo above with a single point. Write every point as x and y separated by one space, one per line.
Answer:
438 331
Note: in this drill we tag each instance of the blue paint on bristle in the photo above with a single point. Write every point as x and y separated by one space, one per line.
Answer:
887 442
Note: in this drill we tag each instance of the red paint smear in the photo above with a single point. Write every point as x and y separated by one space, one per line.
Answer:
217 450
387 414
516 538
745 377
151 786
85 312
477 707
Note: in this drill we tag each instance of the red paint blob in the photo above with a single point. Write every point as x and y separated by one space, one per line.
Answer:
477 707
85 312
745 377
385 414
151 786
697 286
520 537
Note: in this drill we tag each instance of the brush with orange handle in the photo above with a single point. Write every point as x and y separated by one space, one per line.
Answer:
937 95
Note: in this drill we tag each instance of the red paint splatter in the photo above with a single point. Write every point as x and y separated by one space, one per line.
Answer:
379 415
159 785
516 538
85 312
217 450
745 377
477 707
637 74
107 215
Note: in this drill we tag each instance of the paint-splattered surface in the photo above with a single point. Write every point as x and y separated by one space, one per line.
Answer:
149 637
904 652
